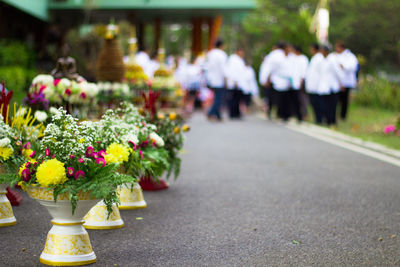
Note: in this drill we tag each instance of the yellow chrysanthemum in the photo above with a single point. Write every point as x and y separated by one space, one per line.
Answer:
27 152
186 128
172 116
177 130
51 172
22 185
5 152
117 153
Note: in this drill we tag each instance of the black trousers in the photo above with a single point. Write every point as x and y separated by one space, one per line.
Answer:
317 106
234 102
330 102
294 104
344 102
283 101
270 98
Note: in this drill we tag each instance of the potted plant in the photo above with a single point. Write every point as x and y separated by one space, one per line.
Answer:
68 177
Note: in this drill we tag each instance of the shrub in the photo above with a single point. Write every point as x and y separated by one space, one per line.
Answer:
13 53
378 92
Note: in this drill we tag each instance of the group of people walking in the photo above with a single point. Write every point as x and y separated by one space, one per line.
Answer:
290 80
232 80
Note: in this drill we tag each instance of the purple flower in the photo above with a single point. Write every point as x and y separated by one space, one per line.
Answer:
79 174
83 95
27 165
32 154
81 160
144 143
27 145
47 152
89 151
71 156
102 153
53 156
101 161
70 171
26 175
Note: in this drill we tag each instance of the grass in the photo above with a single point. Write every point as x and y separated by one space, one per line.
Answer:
368 123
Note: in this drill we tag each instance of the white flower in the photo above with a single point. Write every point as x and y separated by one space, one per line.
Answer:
41 115
4 142
21 112
132 138
43 79
90 89
157 139
54 111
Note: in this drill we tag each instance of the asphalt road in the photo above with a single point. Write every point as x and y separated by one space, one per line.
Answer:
251 193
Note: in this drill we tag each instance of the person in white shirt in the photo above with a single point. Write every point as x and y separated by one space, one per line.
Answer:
235 81
152 66
298 67
142 58
193 81
329 83
215 75
250 87
349 63
268 69
311 82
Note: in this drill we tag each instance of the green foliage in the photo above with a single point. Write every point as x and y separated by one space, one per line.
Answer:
290 20
16 66
368 27
14 77
155 161
100 181
379 93
13 53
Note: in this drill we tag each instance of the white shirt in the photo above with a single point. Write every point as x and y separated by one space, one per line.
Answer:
349 63
312 78
276 68
250 86
215 68
180 71
263 73
235 72
142 59
151 67
193 77
330 75
298 67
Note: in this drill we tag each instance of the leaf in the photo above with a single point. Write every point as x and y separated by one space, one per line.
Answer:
139 218
295 242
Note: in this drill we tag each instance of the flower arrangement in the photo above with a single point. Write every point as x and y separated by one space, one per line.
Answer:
15 130
109 92
170 127
154 157
65 161
46 90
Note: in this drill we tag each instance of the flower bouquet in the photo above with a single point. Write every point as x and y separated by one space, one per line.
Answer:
67 176
151 147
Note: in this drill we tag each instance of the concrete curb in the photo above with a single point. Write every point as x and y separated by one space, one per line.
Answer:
358 145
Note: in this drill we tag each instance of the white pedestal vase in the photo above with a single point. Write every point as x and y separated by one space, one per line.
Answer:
67 242
131 198
6 213
96 218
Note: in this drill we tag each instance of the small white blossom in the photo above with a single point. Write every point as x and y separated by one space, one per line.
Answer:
157 139
41 116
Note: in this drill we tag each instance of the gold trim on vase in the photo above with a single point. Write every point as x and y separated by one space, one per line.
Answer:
8 224
60 263
93 227
67 224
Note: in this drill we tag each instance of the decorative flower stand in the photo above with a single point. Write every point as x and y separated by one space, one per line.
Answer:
96 218
67 242
6 213
147 183
131 198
